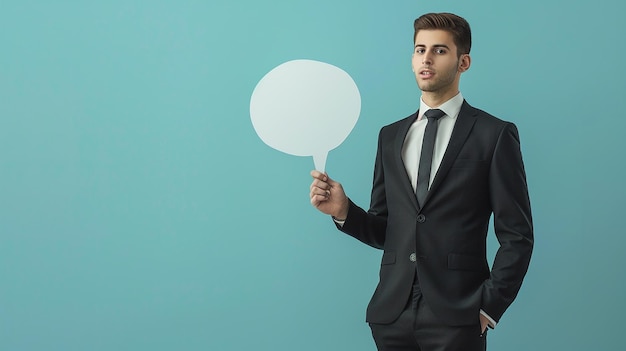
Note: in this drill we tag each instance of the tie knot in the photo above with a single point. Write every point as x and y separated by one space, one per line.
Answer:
434 113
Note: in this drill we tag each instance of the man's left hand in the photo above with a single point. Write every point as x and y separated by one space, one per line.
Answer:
484 322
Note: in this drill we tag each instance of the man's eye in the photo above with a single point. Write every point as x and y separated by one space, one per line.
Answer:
440 51
419 51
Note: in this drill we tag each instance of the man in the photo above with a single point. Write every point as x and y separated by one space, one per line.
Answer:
438 178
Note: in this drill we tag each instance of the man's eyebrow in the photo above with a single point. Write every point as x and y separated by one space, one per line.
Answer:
435 46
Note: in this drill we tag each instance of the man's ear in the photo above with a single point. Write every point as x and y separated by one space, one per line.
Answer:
465 61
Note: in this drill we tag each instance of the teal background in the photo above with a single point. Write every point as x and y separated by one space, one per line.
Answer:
140 211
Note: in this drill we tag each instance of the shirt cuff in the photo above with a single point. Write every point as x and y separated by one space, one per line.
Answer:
492 323
339 223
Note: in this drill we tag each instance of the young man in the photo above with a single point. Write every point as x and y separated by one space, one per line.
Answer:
439 176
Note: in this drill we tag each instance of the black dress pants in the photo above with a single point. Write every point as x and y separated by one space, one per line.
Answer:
418 329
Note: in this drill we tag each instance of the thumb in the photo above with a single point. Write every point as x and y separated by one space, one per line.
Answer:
331 181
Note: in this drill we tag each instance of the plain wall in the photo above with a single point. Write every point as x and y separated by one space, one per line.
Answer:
140 211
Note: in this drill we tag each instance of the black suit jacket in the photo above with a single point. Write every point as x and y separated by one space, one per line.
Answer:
481 174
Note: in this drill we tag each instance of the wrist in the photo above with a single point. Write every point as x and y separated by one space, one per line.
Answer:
342 214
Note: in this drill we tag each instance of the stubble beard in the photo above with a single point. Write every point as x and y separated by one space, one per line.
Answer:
441 82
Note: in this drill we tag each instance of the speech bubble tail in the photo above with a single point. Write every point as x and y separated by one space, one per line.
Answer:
320 161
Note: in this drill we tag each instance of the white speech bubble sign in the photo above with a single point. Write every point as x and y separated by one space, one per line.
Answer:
305 108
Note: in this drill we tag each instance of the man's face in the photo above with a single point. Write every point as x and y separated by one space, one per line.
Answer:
435 63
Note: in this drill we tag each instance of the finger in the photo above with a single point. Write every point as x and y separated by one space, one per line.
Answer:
319 175
319 192
319 184
317 200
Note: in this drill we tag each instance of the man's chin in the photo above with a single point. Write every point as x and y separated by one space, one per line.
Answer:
426 87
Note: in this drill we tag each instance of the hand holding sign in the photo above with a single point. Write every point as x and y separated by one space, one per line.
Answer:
305 108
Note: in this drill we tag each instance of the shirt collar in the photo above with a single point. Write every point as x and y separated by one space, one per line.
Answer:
451 107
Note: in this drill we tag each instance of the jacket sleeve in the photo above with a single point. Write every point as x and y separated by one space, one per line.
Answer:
370 227
512 223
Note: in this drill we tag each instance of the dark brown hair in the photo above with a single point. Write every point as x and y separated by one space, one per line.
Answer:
455 25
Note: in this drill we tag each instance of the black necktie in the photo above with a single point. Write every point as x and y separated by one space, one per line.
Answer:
426 158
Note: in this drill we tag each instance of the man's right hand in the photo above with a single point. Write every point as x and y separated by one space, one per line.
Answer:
328 196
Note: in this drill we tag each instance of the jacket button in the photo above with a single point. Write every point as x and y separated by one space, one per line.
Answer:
421 218
413 257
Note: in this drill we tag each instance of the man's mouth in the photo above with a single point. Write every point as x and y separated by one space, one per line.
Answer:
426 73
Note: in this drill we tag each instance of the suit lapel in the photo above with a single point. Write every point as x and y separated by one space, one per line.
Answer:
462 127
397 152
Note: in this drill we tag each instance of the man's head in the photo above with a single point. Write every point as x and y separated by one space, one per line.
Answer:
451 23
441 53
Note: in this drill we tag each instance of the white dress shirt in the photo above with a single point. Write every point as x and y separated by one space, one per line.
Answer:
412 148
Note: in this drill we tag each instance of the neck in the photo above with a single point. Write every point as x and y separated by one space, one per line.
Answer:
436 99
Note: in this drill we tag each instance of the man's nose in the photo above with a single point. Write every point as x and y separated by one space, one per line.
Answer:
427 58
